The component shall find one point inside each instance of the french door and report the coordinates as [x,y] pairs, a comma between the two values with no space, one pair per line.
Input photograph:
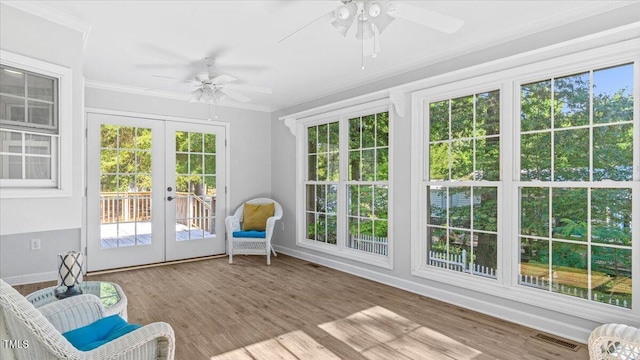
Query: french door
[155,191]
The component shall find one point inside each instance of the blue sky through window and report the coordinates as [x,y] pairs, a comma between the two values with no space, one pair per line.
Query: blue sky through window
[611,80]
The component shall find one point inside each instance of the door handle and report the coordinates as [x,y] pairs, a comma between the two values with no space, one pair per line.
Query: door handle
[169,198]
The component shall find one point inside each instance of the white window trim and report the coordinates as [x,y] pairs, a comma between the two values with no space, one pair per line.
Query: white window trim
[508,81]
[301,161]
[62,167]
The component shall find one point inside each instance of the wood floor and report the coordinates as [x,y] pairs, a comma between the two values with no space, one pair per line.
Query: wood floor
[294,309]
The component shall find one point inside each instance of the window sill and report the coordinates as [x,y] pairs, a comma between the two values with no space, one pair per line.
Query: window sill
[381,261]
[33,193]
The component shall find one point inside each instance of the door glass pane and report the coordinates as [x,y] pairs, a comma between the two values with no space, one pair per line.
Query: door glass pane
[195,185]
[125,186]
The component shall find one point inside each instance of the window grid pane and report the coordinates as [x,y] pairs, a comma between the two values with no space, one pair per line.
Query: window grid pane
[28,100]
[576,240]
[125,186]
[26,156]
[464,146]
[195,184]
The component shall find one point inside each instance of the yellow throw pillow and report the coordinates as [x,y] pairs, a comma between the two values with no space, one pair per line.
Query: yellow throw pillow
[256,215]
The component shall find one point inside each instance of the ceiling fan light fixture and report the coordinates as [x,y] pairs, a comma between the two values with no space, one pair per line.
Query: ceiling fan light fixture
[378,14]
[373,9]
[382,21]
[340,28]
[343,12]
[344,16]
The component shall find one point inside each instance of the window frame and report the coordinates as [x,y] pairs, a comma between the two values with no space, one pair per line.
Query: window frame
[509,76]
[61,162]
[342,116]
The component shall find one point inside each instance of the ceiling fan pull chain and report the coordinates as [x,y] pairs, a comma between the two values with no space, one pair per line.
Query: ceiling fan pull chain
[375,50]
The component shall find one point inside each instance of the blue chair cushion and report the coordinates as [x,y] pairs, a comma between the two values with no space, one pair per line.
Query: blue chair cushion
[250,234]
[99,333]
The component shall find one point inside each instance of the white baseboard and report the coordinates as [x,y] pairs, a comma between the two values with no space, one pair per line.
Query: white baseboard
[526,318]
[31,278]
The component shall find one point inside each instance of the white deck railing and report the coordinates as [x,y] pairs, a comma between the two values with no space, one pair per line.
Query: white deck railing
[122,207]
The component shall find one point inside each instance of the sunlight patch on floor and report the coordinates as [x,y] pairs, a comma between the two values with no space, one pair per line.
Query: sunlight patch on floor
[293,345]
[380,334]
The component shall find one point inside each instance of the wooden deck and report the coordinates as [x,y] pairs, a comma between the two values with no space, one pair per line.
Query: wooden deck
[294,309]
[130,236]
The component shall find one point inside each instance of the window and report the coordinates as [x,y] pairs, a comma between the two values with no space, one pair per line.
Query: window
[30,128]
[346,185]
[576,156]
[527,186]
[462,185]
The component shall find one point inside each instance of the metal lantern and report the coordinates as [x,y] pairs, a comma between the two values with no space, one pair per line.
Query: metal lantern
[70,273]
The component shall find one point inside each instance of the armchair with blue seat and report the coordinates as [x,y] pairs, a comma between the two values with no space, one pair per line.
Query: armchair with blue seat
[38,333]
[256,238]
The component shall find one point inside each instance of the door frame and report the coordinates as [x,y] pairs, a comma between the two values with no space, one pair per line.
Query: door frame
[162,118]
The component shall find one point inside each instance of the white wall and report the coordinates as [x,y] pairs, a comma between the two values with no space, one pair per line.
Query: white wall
[44,218]
[249,142]
[284,177]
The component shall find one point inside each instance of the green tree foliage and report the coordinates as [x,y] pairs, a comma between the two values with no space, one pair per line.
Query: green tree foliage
[125,158]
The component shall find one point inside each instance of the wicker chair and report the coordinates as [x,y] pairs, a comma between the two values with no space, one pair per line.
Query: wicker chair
[252,246]
[614,341]
[37,333]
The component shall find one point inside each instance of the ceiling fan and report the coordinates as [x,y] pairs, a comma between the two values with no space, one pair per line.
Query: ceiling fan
[373,17]
[214,88]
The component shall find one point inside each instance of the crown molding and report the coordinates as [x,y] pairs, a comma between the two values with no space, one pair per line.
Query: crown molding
[52,14]
[167,95]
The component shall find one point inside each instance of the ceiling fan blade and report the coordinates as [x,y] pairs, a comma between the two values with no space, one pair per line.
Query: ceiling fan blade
[240,67]
[328,15]
[173,78]
[164,52]
[435,20]
[159,88]
[235,95]
[256,89]
[196,95]
[159,66]
[216,53]
[223,79]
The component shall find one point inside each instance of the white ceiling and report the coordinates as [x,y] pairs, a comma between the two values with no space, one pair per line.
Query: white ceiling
[130,41]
